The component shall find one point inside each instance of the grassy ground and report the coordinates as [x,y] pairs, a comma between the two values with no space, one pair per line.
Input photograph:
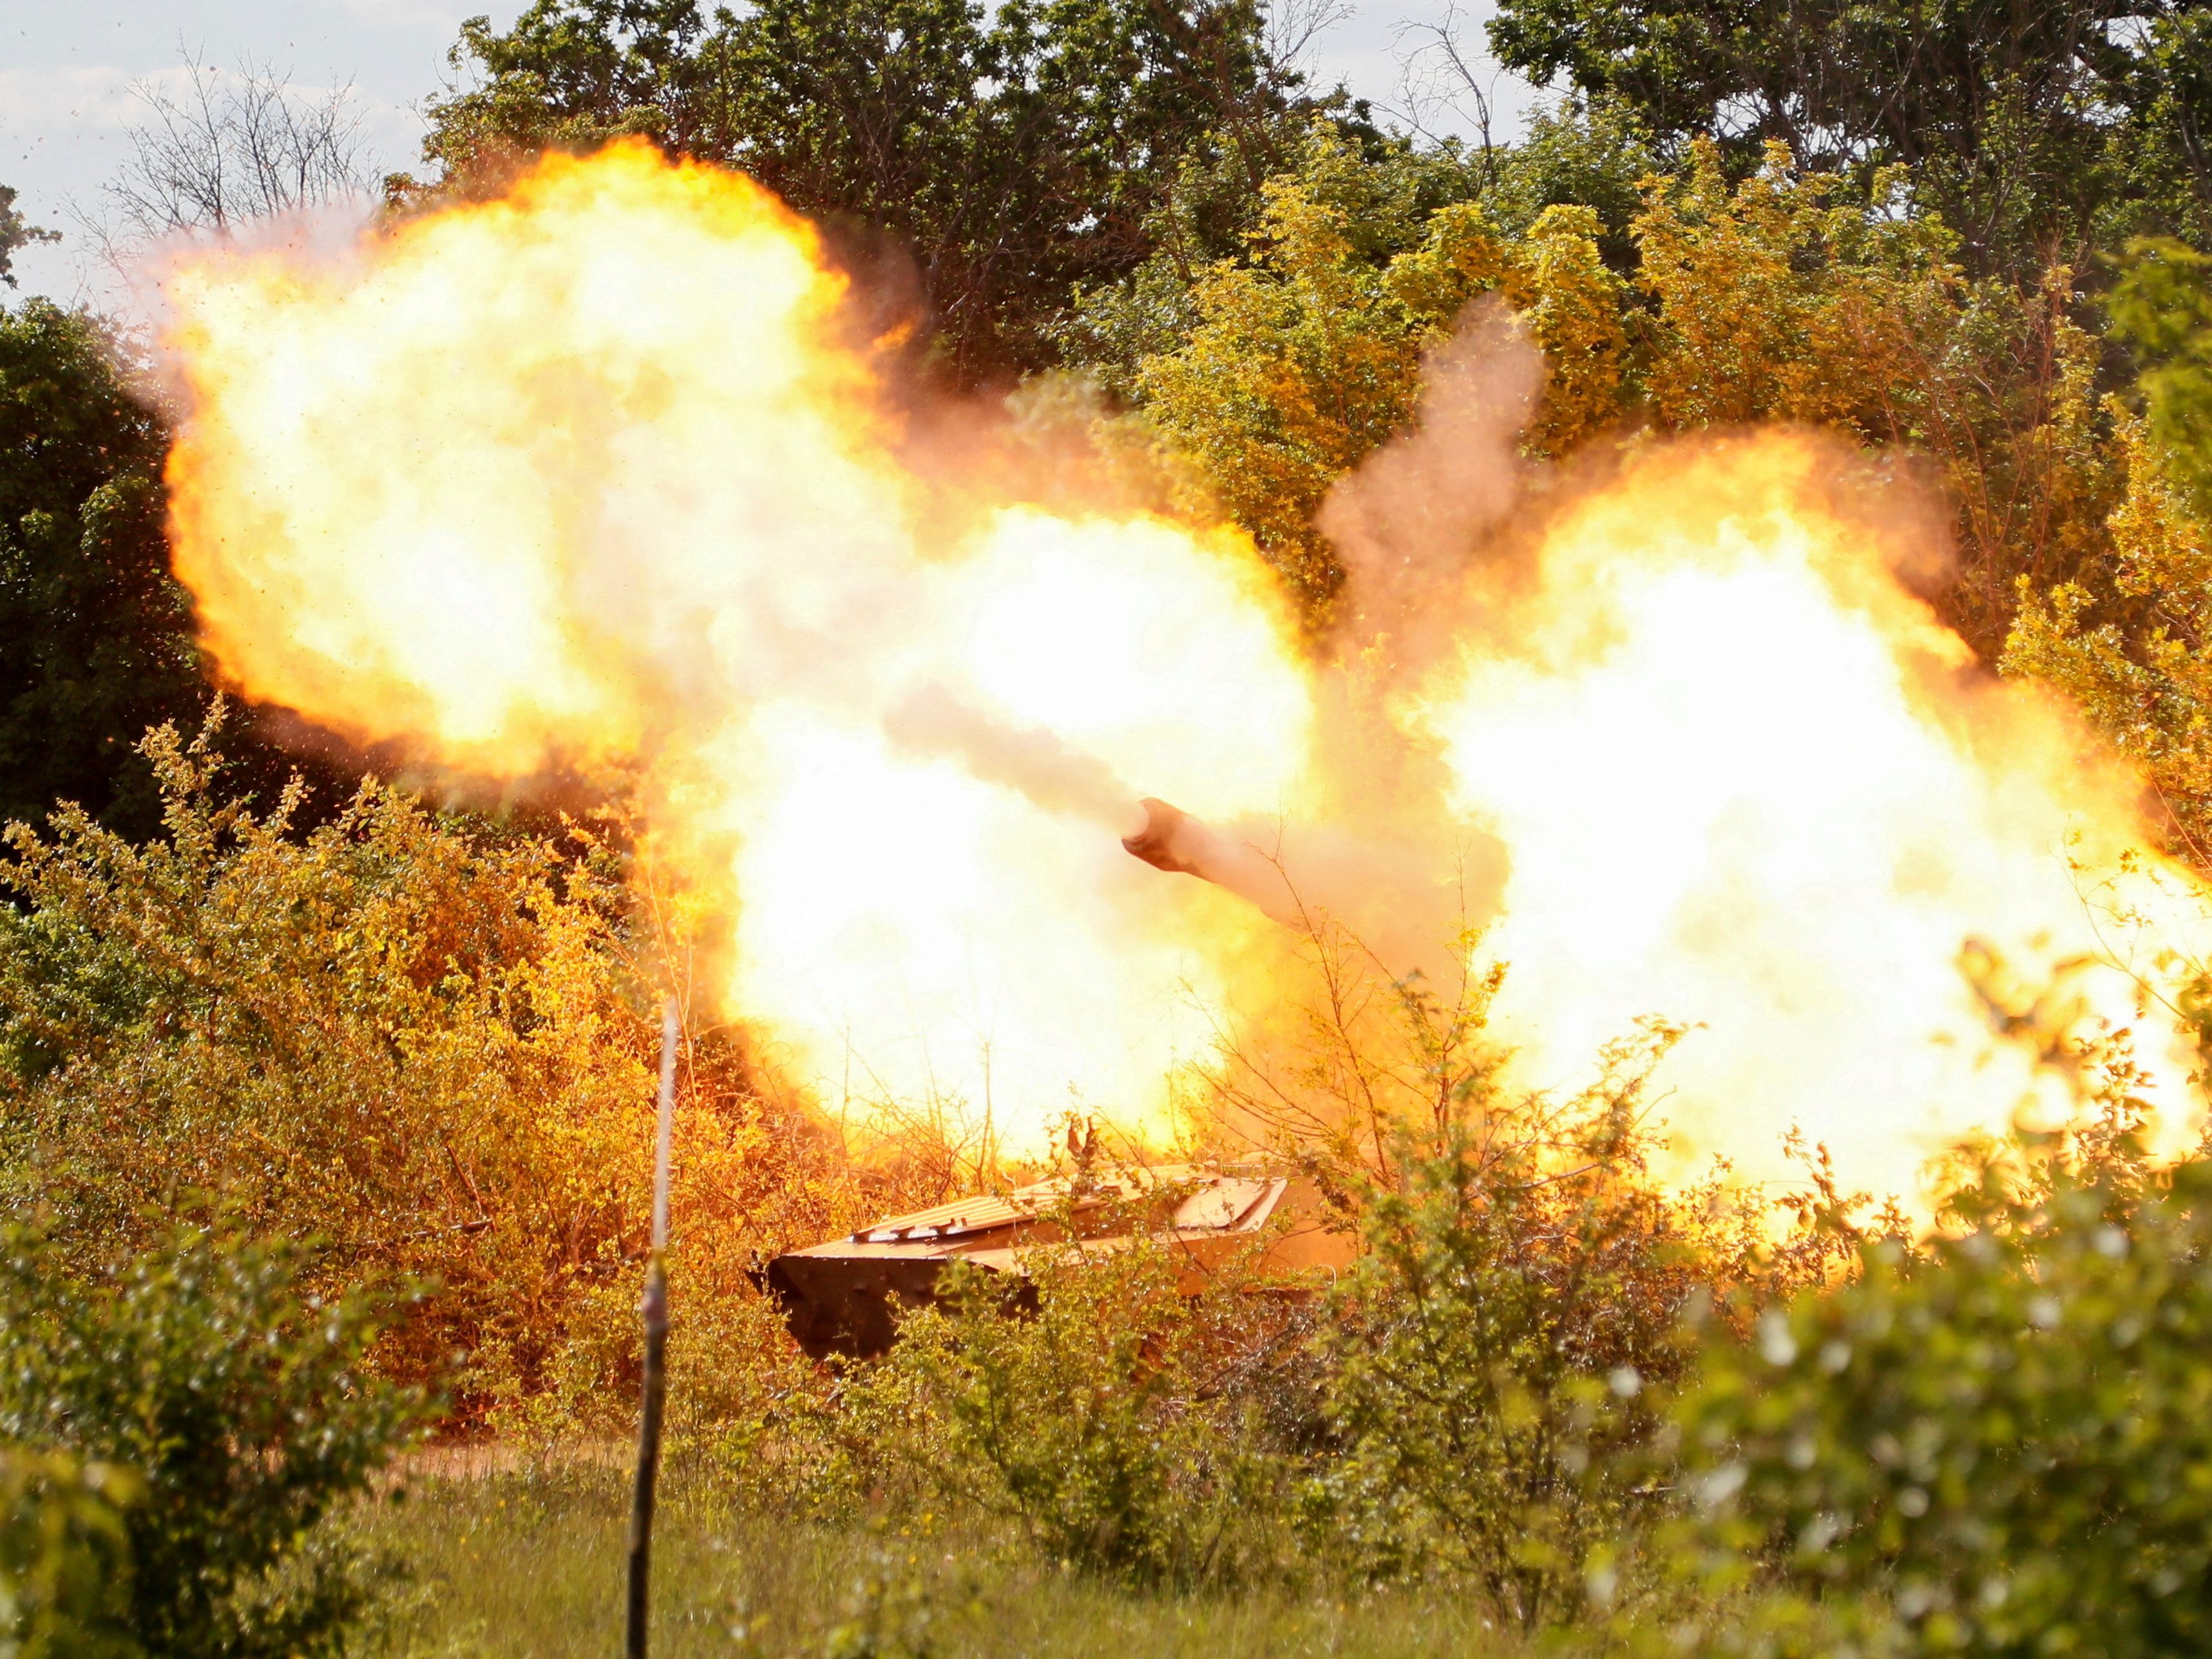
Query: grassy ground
[532,1563]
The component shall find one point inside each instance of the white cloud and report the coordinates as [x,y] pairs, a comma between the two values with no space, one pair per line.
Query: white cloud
[44,100]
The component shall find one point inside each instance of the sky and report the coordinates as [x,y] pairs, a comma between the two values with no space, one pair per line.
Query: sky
[68,68]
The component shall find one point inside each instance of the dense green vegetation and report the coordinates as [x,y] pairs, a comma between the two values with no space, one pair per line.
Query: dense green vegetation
[99,642]
[214,1411]
[2031,132]
[1553,1398]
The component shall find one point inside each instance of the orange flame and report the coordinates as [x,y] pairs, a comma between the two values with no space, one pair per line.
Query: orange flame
[582,476]
[586,476]
[1747,780]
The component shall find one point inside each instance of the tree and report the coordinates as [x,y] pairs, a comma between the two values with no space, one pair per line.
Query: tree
[95,640]
[1494,1341]
[15,235]
[1998,1440]
[1792,297]
[1097,1404]
[1777,295]
[2132,652]
[2023,124]
[571,74]
[65,1557]
[1589,153]
[1013,154]
[2162,307]
[410,1034]
[1302,359]
[2166,165]
[235,148]
[2130,640]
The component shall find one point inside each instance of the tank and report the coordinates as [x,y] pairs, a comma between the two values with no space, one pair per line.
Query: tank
[844,1297]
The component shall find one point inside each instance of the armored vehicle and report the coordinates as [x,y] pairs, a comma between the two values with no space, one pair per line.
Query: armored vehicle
[844,1297]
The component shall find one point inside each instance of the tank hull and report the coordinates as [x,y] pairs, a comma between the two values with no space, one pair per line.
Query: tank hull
[845,1296]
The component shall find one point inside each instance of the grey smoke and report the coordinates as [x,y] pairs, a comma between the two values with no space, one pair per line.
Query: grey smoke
[933,720]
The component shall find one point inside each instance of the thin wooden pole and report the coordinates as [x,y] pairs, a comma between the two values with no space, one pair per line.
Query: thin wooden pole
[655,1309]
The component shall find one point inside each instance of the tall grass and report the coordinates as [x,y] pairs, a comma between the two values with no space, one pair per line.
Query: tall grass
[530,1562]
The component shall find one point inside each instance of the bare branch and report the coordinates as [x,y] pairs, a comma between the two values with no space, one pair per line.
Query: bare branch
[1447,79]
[234,146]
[1293,26]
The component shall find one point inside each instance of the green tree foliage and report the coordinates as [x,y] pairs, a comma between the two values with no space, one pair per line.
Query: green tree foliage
[2165,164]
[15,235]
[1588,153]
[2002,1435]
[242,1405]
[1495,1355]
[1779,296]
[1493,1346]
[1774,300]
[1097,1407]
[1299,362]
[2128,640]
[1381,192]
[571,77]
[1016,152]
[65,1557]
[1574,155]
[94,634]
[1302,359]
[2162,307]
[2135,654]
[2021,125]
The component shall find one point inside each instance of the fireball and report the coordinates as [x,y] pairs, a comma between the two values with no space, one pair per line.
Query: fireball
[598,478]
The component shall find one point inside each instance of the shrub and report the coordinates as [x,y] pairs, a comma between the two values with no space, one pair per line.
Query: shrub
[1492,1359]
[2005,1438]
[1782,295]
[1497,1340]
[411,1034]
[1101,1404]
[241,1405]
[2131,651]
[1299,362]
[1791,297]
[65,1557]
[2162,307]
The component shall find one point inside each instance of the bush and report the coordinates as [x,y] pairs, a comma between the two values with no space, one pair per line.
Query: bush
[242,1405]
[65,1557]
[1102,1409]
[412,1033]
[1493,1366]
[1298,363]
[2005,1437]
[1495,1345]
[2162,307]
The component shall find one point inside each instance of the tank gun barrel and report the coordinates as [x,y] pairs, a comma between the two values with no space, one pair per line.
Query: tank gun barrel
[1174,840]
